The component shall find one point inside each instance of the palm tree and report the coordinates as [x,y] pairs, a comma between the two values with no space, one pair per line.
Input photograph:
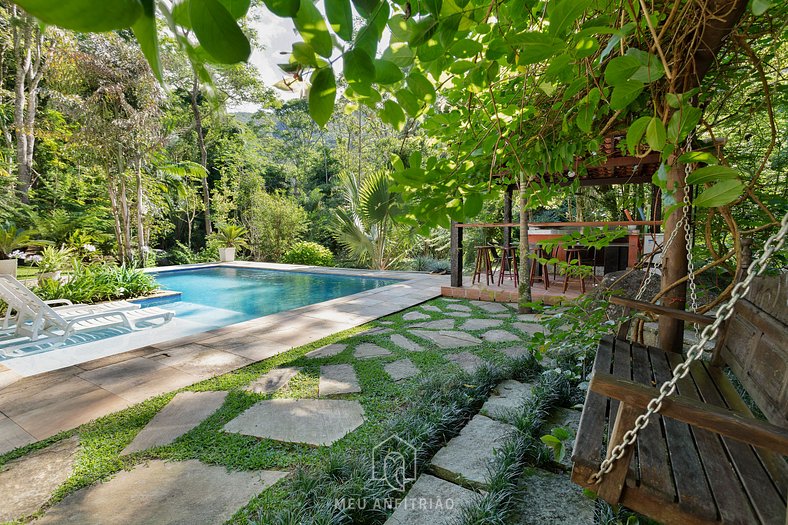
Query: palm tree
[363,226]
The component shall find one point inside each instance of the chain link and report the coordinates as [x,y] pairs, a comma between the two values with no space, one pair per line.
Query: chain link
[710,332]
[688,239]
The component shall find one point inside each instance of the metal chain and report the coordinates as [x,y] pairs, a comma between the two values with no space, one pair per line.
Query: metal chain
[774,243]
[688,238]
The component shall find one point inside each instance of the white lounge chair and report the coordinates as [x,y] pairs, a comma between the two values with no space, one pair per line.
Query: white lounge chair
[37,322]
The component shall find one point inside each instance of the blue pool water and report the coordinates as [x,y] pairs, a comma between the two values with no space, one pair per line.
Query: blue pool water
[219,296]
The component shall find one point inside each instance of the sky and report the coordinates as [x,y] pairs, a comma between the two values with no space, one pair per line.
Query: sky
[275,35]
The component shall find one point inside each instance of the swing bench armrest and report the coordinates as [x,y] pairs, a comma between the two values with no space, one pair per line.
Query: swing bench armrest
[695,413]
[690,317]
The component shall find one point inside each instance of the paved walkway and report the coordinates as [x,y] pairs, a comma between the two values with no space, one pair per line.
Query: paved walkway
[37,407]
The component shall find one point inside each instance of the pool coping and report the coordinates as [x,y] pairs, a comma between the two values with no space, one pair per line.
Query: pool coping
[39,406]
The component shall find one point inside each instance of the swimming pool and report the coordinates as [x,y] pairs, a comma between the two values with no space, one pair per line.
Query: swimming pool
[220,295]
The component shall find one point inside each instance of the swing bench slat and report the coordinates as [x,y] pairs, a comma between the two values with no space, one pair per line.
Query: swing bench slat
[705,458]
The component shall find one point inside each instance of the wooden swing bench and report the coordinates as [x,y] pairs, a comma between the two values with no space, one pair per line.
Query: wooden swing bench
[705,458]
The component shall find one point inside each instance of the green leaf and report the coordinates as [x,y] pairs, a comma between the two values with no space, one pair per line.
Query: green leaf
[366,7]
[722,193]
[237,8]
[145,32]
[430,50]
[473,204]
[712,174]
[304,54]
[535,47]
[399,53]
[698,156]
[656,134]
[392,114]
[626,93]
[409,102]
[682,122]
[322,95]
[635,133]
[85,15]
[620,69]
[585,117]
[547,439]
[340,16]
[759,7]
[387,72]
[180,14]
[283,8]
[421,87]
[650,68]
[562,14]
[218,32]
[358,67]
[313,28]
[465,48]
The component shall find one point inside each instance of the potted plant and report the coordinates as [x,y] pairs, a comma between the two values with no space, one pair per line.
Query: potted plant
[11,239]
[229,237]
[53,261]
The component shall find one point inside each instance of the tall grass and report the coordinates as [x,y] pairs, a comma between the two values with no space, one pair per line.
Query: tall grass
[92,283]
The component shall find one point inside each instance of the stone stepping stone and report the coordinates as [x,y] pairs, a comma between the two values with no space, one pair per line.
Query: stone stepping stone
[165,493]
[327,351]
[308,421]
[552,498]
[480,324]
[529,328]
[432,501]
[516,352]
[370,350]
[500,316]
[386,323]
[459,307]
[440,324]
[457,314]
[337,379]
[431,308]
[466,360]
[466,458]
[378,330]
[415,316]
[529,318]
[569,419]
[490,308]
[509,395]
[405,343]
[401,369]
[272,381]
[499,336]
[184,412]
[28,482]
[447,338]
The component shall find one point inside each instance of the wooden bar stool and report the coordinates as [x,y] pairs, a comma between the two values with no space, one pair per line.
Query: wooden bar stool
[544,273]
[574,254]
[485,255]
[508,265]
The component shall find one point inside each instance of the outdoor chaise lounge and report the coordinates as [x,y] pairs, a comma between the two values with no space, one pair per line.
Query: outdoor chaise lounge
[38,322]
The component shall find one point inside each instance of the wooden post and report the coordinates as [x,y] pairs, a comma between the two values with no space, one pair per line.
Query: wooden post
[674,267]
[507,216]
[456,255]
[524,290]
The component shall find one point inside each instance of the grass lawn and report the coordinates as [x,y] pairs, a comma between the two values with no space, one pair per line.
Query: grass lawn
[431,406]
[26,272]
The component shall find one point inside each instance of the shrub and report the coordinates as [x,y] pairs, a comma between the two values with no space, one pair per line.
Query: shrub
[275,222]
[182,254]
[91,283]
[309,253]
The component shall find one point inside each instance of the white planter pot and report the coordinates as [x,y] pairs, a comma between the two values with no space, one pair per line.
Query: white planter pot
[226,254]
[49,275]
[8,267]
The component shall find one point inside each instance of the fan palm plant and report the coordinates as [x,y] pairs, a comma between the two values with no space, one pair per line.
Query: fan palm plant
[363,226]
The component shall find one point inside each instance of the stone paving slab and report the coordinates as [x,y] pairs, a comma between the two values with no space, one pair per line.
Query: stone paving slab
[337,379]
[370,350]
[508,395]
[184,412]
[163,493]
[201,361]
[138,379]
[308,421]
[552,498]
[326,351]
[28,482]
[515,352]
[440,324]
[401,369]
[480,324]
[272,381]
[529,318]
[378,330]
[405,343]
[490,307]
[466,458]
[415,316]
[12,435]
[462,315]
[466,360]
[432,501]
[529,328]
[447,338]
[499,336]
[459,307]
[431,308]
